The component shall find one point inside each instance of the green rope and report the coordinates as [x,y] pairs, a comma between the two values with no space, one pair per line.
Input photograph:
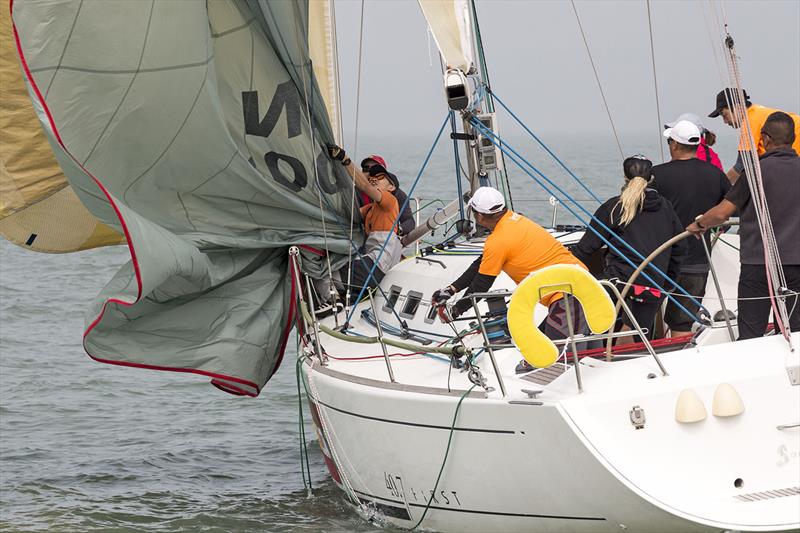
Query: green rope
[305,468]
[444,460]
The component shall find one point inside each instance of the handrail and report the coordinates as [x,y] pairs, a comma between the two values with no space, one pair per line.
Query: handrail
[647,261]
[453,350]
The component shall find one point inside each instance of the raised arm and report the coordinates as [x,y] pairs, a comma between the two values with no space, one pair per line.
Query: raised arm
[358,177]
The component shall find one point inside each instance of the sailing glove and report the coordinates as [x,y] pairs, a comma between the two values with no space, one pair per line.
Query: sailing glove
[441,296]
[336,153]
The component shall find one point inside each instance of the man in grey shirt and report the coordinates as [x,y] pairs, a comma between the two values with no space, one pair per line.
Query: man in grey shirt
[780,174]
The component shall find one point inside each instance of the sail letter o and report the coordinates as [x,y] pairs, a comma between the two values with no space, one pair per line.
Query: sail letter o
[324,176]
[534,346]
[300,177]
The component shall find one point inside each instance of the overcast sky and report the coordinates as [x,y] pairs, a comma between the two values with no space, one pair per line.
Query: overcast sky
[539,66]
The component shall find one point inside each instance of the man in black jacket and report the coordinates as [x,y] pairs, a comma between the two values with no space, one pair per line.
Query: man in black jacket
[780,174]
[693,187]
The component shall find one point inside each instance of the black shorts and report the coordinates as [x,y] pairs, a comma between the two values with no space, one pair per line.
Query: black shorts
[694,284]
[644,307]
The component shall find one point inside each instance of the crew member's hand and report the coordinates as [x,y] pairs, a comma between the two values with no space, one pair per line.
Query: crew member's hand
[445,312]
[442,295]
[336,153]
[695,229]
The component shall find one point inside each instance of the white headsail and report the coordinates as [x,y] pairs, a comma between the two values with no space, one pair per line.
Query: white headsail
[450,24]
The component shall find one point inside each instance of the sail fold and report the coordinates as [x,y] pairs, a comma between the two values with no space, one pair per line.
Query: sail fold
[198,130]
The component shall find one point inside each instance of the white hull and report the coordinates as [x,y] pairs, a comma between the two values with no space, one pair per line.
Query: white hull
[565,461]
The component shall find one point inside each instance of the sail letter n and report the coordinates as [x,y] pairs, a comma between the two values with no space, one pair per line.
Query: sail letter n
[285,96]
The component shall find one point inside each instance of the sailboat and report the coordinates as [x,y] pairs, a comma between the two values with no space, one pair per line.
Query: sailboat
[196,134]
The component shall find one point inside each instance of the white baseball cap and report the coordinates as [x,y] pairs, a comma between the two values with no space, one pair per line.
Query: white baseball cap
[487,200]
[691,117]
[684,132]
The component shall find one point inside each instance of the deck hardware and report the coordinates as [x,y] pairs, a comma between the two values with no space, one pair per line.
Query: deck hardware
[689,408]
[532,393]
[475,376]
[380,337]
[738,483]
[727,401]
[524,402]
[651,376]
[429,260]
[637,417]
[788,426]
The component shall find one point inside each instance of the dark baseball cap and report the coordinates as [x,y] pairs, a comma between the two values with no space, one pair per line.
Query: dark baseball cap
[724,99]
[377,168]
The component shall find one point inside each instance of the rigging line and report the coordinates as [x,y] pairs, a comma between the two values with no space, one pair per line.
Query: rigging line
[714,51]
[547,149]
[310,74]
[518,160]
[597,78]
[655,81]
[355,153]
[774,270]
[397,220]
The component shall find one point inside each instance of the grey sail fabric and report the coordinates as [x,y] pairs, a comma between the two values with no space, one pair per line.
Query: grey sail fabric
[198,131]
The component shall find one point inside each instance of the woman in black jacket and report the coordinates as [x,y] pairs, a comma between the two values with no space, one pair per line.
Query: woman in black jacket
[645,220]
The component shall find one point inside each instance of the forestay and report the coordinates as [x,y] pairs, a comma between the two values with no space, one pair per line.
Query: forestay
[197,130]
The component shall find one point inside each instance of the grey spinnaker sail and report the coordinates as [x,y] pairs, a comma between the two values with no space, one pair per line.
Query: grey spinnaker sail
[198,131]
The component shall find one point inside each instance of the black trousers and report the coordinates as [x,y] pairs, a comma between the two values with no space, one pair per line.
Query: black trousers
[754,314]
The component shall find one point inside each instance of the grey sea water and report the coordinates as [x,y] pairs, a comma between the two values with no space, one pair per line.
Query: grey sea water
[91,447]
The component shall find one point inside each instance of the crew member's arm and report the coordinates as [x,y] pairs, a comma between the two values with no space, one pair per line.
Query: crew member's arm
[361,181]
[713,217]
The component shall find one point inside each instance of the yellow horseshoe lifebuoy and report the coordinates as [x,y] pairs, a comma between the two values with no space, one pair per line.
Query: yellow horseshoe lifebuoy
[537,349]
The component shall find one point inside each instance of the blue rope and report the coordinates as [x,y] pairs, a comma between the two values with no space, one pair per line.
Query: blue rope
[538,140]
[397,220]
[503,145]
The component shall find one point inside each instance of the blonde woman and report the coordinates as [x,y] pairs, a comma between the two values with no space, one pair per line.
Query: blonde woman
[645,220]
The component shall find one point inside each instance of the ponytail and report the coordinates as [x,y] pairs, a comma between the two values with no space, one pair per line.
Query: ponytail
[632,199]
[710,137]
[638,171]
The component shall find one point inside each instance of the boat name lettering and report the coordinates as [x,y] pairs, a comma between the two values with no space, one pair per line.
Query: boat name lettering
[395,487]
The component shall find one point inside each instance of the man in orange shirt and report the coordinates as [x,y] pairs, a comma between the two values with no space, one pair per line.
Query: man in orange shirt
[516,246]
[379,217]
[756,117]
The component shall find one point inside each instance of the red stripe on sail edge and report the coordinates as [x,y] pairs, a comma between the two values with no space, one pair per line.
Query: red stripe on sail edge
[131,249]
[50,119]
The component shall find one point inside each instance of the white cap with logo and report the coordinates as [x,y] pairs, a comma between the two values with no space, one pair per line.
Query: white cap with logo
[684,132]
[487,200]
